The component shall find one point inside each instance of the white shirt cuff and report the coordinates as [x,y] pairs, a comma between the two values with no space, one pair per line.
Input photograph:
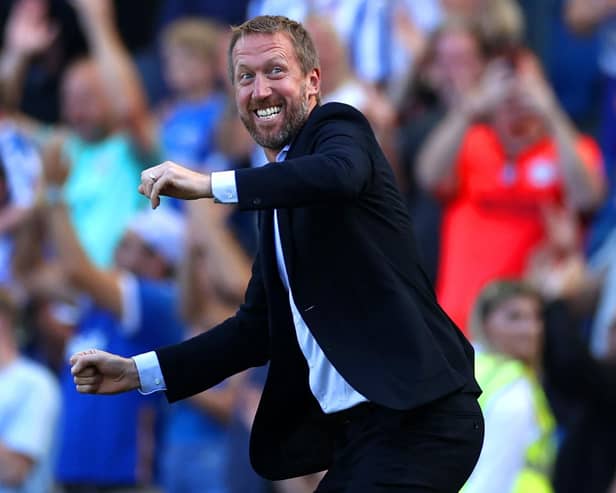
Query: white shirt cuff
[150,375]
[224,188]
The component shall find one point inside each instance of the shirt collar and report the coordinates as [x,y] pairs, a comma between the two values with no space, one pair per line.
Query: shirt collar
[282,155]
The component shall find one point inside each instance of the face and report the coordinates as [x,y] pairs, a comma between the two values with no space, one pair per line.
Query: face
[332,54]
[85,106]
[517,124]
[185,71]
[458,64]
[273,96]
[515,328]
[133,255]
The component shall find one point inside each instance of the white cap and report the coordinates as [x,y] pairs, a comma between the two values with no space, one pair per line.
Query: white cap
[163,230]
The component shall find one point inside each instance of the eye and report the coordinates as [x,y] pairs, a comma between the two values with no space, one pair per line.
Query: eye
[244,77]
[277,70]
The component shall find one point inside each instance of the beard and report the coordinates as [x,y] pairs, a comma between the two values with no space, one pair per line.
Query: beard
[296,115]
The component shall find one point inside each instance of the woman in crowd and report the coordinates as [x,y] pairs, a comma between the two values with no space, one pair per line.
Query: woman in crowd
[519,448]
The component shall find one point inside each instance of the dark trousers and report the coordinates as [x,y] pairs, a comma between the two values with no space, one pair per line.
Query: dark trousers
[433,448]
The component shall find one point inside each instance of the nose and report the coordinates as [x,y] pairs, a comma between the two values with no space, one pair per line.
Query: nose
[261,87]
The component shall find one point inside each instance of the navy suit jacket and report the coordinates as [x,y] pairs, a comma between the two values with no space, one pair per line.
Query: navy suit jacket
[357,281]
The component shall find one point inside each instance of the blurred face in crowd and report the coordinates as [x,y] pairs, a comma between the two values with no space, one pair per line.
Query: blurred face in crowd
[517,122]
[515,328]
[332,53]
[85,106]
[458,64]
[273,95]
[134,255]
[186,72]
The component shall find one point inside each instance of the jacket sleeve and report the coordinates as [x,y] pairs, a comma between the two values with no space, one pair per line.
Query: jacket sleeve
[236,344]
[337,167]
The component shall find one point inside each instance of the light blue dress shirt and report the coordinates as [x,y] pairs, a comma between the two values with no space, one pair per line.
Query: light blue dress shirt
[328,386]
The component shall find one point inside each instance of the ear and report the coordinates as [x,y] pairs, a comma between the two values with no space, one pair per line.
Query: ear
[313,78]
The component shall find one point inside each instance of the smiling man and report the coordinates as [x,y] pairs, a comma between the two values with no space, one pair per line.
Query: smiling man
[368,377]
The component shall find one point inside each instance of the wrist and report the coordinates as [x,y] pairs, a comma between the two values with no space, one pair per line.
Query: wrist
[207,186]
[132,375]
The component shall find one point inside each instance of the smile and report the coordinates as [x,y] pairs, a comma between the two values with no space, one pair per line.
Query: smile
[268,113]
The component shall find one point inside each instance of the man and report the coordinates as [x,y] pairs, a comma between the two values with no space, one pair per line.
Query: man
[29,411]
[368,377]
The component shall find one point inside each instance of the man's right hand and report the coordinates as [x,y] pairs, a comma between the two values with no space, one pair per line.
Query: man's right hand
[172,180]
[99,372]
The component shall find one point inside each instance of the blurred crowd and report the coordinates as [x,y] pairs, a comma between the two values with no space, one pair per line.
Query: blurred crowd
[499,119]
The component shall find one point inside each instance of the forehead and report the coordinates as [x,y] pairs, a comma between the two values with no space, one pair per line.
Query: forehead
[254,48]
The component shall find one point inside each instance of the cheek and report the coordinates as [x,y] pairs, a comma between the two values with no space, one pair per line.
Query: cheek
[242,98]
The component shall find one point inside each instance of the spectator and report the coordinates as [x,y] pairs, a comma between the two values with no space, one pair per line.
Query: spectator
[500,21]
[110,134]
[29,411]
[586,384]
[452,65]
[519,445]
[131,308]
[499,157]
[190,53]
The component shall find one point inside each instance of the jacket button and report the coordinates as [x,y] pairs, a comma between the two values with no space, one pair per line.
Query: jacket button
[256,201]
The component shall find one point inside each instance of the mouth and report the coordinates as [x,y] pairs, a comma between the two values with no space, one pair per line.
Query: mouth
[269,113]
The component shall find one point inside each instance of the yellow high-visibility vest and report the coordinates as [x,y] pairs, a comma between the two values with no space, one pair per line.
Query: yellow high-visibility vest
[495,372]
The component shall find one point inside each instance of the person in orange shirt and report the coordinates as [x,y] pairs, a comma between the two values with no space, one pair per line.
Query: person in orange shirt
[502,155]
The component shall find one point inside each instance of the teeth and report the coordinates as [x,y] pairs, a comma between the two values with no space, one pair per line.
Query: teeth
[268,112]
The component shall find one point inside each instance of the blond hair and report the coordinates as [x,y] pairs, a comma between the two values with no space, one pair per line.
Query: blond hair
[198,36]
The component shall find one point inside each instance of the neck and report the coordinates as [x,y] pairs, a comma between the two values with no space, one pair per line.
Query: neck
[271,154]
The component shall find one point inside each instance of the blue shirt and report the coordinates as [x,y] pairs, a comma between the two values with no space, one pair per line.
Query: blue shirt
[100,435]
[187,132]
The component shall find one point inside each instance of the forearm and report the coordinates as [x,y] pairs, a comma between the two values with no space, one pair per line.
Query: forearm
[584,190]
[120,77]
[14,467]
[72,258]
[80,271]
[438,156]
[230,266]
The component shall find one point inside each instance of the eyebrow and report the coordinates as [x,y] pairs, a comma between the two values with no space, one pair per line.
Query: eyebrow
[277,59]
